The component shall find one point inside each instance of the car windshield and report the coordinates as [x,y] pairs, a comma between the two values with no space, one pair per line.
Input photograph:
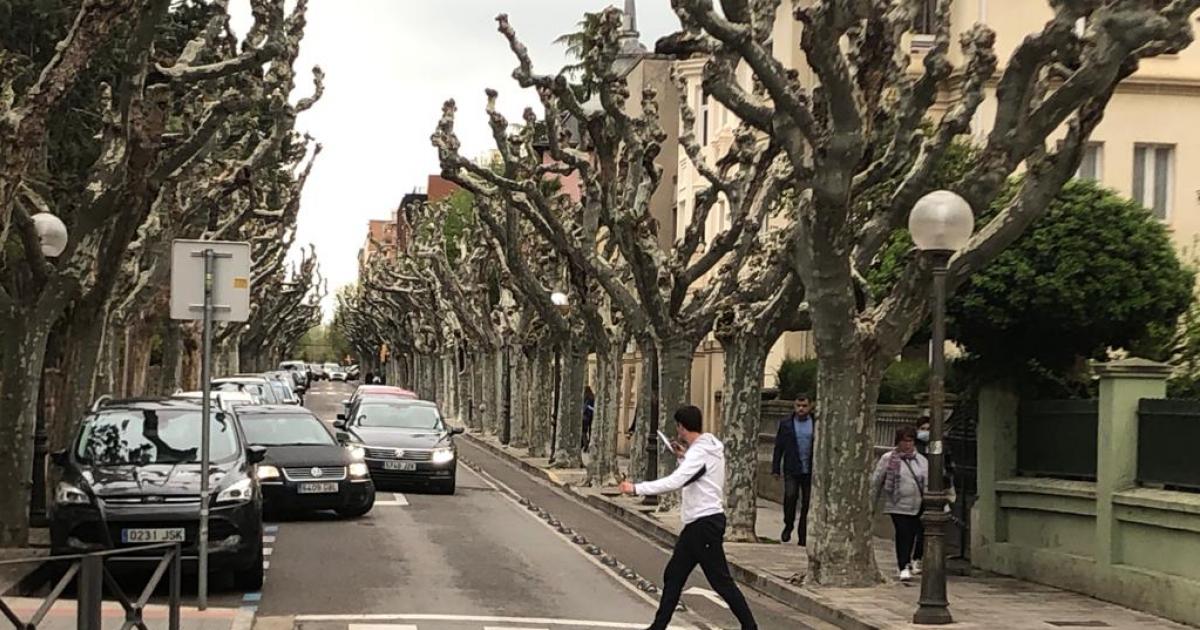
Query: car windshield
[281,390]
[399,416]
[289,430]
[262,390]
[149,436]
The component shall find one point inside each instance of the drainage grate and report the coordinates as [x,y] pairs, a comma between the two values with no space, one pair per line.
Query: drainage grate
[1079,624]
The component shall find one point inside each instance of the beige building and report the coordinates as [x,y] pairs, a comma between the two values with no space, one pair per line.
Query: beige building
[1147,147]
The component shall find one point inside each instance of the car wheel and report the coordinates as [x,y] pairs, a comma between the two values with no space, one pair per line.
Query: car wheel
[358,510]
[250,579]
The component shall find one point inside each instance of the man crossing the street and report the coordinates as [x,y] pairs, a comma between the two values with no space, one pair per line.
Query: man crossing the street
[701,477]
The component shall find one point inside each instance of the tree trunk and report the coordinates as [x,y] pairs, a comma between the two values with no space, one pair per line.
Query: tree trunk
[647,396]
[488,388]
[840,546]
[603,469]
[170,378]
[478,404]
[74,351]
[137,367]
[541,402]
[519,395]
[22,352]
[567,448]
[674,391]
[741,408]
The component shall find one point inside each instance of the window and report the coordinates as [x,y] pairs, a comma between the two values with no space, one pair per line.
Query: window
[1091,164]
[703,118]
[1152,173]
[925,22]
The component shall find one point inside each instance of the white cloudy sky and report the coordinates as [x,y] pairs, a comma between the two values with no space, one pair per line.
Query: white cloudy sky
[389,65]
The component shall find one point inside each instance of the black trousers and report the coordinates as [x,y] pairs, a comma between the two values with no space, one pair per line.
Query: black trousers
[701,542]
[908,528]
[797,489]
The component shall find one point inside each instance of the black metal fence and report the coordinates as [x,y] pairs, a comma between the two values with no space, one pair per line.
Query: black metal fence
[1057,438]
[90,572]
[1168,435]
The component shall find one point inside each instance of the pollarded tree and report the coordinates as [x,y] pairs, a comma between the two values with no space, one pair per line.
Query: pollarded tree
[859,123]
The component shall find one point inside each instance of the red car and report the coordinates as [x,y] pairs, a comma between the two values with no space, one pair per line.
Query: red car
[380,391]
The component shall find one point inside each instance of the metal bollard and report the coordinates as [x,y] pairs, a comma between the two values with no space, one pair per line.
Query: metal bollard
[91,593]
[176,587]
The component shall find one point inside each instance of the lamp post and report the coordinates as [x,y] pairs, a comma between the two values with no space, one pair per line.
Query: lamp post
[562,303]
[941,223]
[52,234]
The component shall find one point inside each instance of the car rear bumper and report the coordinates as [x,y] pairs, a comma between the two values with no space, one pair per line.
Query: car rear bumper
[286,496]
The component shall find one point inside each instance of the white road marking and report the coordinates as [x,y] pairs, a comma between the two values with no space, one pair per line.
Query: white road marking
[268,539]
[380,626]
[707,594]
[268,551]
[266,564]
[400,499]
[510,628]
[469,619]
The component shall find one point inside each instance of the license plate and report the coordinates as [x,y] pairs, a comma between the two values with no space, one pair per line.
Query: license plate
[318,487]
[174,534]
[401,466]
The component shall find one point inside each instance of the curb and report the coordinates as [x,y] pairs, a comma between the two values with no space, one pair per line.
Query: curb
[762,583]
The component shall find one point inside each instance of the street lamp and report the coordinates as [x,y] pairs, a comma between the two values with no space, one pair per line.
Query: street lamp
[53,237]
[562,304]
[52,234]
[941,223]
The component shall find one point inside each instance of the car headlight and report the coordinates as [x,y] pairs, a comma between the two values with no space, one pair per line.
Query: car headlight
[238,492]
[267,472]
[359,470]
[68,494]
[357,453]
[443,455]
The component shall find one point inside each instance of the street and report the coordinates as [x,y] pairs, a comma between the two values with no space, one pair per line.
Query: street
[469,561]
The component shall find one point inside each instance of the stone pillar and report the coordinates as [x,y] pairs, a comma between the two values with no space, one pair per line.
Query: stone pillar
[996,456]
[1122,384]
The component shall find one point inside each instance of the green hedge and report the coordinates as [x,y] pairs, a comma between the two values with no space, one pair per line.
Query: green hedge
[903,381]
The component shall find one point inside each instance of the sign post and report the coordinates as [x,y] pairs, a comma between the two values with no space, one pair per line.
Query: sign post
[202,289]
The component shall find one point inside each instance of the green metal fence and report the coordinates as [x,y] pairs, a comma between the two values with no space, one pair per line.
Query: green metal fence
[1057,438]
[1168,435]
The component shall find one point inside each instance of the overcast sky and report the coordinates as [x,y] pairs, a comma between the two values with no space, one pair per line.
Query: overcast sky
[389,66]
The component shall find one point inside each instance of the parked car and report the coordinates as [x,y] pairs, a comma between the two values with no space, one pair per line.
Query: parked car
[132,477]
[249,383]
[318,372]
[299,369]
[378,391]
[404,441]
[337,374]
[353,373]
[284,386]
[305,467]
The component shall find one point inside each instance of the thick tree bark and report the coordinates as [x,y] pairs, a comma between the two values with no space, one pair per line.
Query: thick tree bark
[478,391]
[462,383]
[568,452]
[741,409]
[674,391]
[519,365]
[839,543]
[76,358]
[488,368]
[647,396]
[541,402]
[603,469]
[22,352]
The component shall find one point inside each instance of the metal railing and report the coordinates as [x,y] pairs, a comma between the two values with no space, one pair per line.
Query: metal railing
[91,573]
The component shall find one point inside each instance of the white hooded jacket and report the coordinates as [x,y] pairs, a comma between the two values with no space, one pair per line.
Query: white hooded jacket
[701,475]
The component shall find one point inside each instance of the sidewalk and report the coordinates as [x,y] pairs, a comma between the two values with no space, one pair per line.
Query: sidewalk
[776,570]
[62,615]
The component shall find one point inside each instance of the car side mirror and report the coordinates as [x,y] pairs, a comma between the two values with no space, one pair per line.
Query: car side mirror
[256,454]
[60,458]
[457,431]
[340,423]
[342,436]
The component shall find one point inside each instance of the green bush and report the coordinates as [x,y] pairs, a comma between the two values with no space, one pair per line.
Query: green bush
[903,381]
[797,376]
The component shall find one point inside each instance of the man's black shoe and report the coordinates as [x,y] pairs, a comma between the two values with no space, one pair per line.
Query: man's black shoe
[786,536]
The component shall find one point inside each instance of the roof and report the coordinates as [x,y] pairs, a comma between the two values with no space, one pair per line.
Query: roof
[149,403]
[246,378]
[272,410]
[396,400]
[382,389]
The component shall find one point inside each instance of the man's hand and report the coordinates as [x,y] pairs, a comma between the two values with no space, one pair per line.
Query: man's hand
[776,475]
[626,487]
[678,449]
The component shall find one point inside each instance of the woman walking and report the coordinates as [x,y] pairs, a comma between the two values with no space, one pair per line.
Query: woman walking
[900,480]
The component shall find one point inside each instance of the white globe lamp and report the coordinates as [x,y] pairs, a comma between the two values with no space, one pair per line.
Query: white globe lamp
[941,222]
[52,233]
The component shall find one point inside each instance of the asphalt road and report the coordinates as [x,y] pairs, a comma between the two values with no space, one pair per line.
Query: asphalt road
[475,560]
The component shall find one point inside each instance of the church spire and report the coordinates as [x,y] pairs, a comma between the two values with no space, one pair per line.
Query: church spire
[631,44]
[631,26]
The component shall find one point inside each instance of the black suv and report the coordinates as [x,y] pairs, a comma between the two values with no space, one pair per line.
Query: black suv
[132,477]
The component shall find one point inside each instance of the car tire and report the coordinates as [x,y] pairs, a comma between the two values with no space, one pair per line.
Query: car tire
[251,578]
[358,510]
[446,487]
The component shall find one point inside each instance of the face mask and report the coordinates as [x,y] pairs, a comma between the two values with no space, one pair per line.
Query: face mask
[923,436]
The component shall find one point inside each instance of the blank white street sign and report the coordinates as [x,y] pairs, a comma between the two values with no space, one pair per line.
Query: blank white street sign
[231,280]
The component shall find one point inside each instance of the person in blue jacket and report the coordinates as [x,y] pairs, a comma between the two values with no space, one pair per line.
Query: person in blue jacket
[793,462]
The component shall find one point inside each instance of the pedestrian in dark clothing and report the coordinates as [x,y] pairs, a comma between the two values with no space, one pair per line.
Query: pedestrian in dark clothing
[700,476]
[793,461]
[589,413]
